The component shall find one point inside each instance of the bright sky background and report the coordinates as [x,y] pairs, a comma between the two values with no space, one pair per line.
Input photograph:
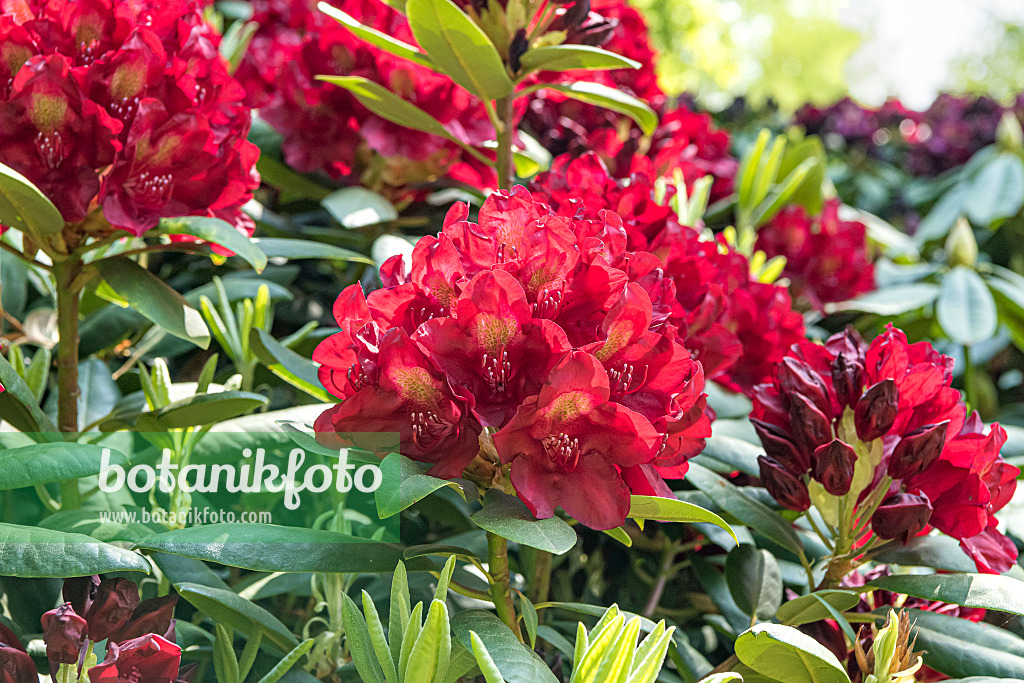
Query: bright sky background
[910,45]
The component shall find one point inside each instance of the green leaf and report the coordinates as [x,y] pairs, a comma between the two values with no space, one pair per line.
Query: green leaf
[997,191]
[25,207]
[807,608]
[484,660]
[891,301]
[215,231]
[937,552]
[18,404]
[293,249]
[272,548]
[150,296]
[377,38]
[49,462]
[508,517]
[754,580]
[98,393]
[34,552]
[357,207]
[965,309]
[673,510]
[204,409]
[290,660]
[943,215]
[375,629]
[988,591]
[430,654]
[288,365]
[807,193]
[403,483]
[516,662]
[566,57]
[786,654]
[292,186]
[360,642]
[530,620]
[225,664]
[455,43]
[958,647]
[231,609]
[743,507]
[388,105]
[734,453]
[610,98]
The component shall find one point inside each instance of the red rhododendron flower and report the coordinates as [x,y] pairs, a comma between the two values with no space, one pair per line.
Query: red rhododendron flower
[921,461]
[149,658]
[533,330]
[566,443]
[16,666]
[701,290]
[827,258]
[126,107]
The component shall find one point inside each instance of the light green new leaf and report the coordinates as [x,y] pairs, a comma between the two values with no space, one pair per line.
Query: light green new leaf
[215,231]
[987,591]
[786,654]
[566,57]
[376,38]
[610,98]
[673,510]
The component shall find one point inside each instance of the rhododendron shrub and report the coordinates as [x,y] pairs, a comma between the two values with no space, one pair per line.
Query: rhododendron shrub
[874,437]
[325,128]
[532,328]
[827,258]
[126,107]
[702,289]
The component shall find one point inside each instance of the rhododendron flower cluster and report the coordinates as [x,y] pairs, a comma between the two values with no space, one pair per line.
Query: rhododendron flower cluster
[880,427]
[827,258]
[324,126]
[539,330]
[139,635]
[126,106]
[925,142]
[735,325]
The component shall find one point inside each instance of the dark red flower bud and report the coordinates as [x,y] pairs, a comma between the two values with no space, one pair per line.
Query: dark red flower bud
[155,615]
[918,450]
[833,467]
[150,658]
[876,410]
[16,666]
[810,426]
[79,591]
[902,516]
[781,449]
[112,607]
[847,377]
[64,633]
[797,377]
[788,490]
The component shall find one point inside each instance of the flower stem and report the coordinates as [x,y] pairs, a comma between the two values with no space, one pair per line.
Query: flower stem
[68,290]
[504,134]
[501,582]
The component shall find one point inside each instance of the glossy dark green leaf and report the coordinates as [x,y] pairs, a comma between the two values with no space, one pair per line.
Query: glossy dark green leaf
[786,654]
[754,580]
[291,185]
[376,38]
[204,409]
[150,296]
[49,462]
[35,552]
[18,404]
[508,517]
[965,309]
[25,207]
[807,608]
[958,647]
[891,301]
[358,207]
[93,523]
[273,548]
[457,45]
[745,508]
[997,191]
[610,98]
[288,365]
[215,231]
[516,662]
[227,607]
[388,105]
[988,591]
[294,249]
[405,483]
[566,57]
